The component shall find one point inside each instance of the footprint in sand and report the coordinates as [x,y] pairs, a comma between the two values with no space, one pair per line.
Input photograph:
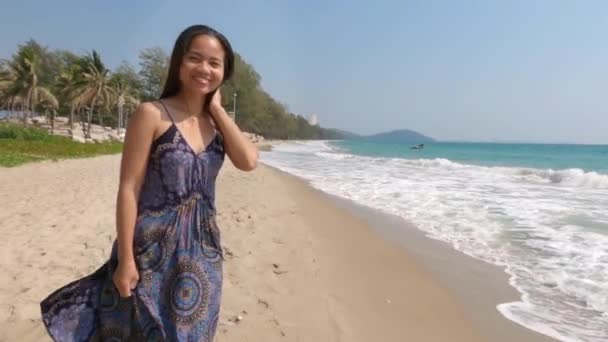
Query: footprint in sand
[277,269]
[263,303]
[228,253]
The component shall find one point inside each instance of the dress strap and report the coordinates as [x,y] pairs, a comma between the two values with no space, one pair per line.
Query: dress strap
[167,110]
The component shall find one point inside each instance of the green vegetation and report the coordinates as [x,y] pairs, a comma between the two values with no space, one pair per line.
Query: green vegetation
[19,144]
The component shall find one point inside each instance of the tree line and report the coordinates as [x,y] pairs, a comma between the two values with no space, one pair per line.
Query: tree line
[37,80]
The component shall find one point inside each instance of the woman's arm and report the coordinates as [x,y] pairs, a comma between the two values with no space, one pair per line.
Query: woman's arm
[138,139]
[242,152]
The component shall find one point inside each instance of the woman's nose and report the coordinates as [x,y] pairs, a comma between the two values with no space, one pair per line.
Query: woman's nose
[204,67]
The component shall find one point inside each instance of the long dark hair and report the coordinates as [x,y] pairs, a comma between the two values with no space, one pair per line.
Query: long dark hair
[182,44]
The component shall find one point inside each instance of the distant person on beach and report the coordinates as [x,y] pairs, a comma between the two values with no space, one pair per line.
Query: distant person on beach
[163,280]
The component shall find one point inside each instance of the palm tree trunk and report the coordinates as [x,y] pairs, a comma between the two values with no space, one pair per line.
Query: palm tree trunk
[22,112]
[120,114]
[32,104]
[52,115]
[71,116]
[87,133]
[90,116]
[82,122]
[26,108]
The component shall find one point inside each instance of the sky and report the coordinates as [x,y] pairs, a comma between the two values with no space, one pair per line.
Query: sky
[503,70]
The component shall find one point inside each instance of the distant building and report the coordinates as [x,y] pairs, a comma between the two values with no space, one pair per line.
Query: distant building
[312,120]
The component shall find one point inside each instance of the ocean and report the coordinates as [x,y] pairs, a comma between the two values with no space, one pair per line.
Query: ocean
[540,211]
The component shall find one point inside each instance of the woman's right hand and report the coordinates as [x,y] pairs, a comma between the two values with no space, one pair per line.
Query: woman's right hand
[125,277]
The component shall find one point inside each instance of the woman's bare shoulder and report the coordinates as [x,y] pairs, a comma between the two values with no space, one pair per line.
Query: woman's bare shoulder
[150,109]
[146,120]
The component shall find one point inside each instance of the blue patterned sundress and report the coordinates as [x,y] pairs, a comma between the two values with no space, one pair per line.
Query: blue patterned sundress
[177,251]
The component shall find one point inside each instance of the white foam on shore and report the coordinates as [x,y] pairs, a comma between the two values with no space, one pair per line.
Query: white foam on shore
[548,228]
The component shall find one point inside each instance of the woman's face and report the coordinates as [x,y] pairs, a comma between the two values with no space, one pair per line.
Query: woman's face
[202,69]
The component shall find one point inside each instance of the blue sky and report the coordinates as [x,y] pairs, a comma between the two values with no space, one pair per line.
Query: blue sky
[512,70]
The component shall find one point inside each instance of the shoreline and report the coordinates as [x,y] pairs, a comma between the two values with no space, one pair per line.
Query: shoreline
[464,276]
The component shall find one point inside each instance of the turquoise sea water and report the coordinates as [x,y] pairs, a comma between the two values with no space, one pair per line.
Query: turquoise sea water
[540,156]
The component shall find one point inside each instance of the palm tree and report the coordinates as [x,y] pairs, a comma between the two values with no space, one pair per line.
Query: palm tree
[66,83]
[92,87]
[5,76]
[23,82]
[6,80]
[122,95]
[9,97]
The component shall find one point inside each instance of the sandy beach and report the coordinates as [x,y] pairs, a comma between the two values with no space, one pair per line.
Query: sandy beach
[299,267]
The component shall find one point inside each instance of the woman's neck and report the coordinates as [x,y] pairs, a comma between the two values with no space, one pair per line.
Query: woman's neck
[193,104]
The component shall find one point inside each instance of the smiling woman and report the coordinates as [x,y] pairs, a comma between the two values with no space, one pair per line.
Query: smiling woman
[164,277]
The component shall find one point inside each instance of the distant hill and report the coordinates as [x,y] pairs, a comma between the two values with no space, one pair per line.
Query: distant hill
[400,136]
[341,134]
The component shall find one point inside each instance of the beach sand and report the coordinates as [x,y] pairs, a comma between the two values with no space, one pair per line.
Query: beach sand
[300,266]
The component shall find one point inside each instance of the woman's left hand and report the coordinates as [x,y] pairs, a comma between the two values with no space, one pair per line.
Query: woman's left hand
[216,102]
[242,152]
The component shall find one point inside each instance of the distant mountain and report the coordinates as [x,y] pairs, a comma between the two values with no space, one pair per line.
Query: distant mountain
[341,134]
[400,136]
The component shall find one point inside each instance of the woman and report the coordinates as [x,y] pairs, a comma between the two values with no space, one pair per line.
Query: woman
[164,277]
